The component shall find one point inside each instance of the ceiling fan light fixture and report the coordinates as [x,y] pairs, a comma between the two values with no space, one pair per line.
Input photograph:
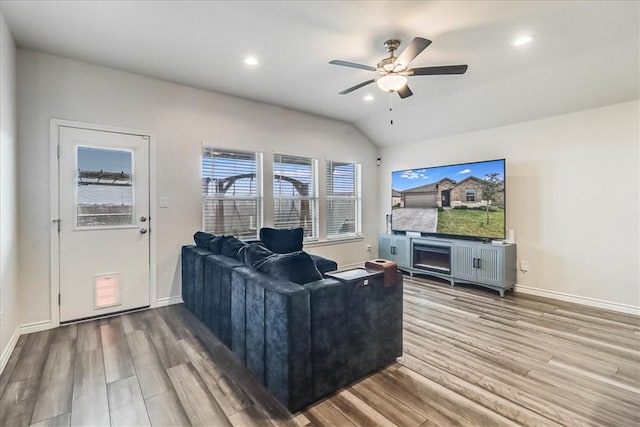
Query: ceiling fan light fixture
[391,82]
[523,40]
[251,60]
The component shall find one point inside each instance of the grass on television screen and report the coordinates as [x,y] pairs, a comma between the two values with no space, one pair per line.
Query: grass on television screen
[472,222]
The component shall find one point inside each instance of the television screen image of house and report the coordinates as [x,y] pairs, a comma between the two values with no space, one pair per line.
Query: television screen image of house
[464,199]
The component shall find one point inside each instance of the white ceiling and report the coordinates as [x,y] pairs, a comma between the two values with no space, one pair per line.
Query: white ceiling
[586,54]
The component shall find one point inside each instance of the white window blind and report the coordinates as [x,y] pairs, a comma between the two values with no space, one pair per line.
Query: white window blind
[295,195]
[231,192]
[343,199]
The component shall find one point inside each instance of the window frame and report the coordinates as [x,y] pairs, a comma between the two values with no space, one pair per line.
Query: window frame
[357,198]
[313,196]
[259,196]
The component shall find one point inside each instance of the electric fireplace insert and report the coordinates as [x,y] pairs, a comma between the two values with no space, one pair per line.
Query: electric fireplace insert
[434,258]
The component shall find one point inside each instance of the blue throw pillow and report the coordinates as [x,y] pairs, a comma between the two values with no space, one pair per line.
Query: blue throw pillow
[282,241]
[254,254]
[215,244]
[297,267]
[203,239]
[231,246]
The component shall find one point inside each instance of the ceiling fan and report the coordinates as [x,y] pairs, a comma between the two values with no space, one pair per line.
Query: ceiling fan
[394,70]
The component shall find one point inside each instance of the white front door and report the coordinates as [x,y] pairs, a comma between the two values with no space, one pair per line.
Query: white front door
[104,222]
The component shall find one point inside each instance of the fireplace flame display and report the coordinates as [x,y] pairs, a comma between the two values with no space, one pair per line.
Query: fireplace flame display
[434,258]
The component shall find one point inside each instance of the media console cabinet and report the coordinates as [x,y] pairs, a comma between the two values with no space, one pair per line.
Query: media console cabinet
[458,261]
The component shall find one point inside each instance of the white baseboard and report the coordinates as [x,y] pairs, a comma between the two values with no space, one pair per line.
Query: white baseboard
[21,330]
[6,353]
[592,302]
[28,328]
[161,302]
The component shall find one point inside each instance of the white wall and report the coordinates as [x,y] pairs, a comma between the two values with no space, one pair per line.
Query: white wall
[572,196]
[8,189]
[181,118]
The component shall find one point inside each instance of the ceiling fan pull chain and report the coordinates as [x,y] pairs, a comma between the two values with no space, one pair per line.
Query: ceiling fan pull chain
[391,107]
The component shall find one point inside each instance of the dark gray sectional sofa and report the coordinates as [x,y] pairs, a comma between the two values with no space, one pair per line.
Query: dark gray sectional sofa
[302,341]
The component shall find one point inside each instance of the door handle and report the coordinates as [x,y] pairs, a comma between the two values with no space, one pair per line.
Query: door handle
[143,230]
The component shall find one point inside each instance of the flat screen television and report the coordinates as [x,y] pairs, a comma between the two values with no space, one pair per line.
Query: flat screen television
[464,200]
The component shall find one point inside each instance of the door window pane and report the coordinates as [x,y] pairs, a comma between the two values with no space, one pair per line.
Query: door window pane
[105,191]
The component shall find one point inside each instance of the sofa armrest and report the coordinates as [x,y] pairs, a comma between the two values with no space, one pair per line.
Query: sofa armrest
[324,265]
[355,329]
[270,333]
[329,335]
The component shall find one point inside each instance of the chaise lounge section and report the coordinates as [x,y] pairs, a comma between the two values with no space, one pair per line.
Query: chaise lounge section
[303,341]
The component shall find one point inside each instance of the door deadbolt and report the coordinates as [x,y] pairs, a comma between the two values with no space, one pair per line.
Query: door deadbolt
[143,218]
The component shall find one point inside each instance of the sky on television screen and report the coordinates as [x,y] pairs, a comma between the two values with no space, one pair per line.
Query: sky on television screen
[411,178]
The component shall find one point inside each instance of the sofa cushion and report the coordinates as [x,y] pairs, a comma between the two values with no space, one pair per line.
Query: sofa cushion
[282,241]
[297,267]
[202,239]
[231,246]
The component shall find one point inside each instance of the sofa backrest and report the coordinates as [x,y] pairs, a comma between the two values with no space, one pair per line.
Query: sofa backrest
[217,295]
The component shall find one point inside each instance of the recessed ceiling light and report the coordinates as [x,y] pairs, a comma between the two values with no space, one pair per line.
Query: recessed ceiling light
[368,98]
[523,40]
[251,60]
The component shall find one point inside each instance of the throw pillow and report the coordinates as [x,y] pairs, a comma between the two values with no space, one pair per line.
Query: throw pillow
[215,244]
[282,241]
[255,253]
[203,239]
[231,246]
[297,267]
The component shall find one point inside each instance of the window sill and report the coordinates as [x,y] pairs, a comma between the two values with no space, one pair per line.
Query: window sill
[334,241]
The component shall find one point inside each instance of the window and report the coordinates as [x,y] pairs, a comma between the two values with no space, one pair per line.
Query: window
[343,199]
[295,195]
[231,192]
[104,188]
[470,194]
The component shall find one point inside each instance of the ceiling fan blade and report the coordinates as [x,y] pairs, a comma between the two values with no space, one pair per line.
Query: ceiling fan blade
[352,65]
[405,92]
[358,86]
[434,71]
[417,45]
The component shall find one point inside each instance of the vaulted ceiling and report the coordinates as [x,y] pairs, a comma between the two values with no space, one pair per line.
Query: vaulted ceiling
[585,54]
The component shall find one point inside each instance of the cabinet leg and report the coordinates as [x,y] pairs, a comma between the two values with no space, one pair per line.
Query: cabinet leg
[501,293]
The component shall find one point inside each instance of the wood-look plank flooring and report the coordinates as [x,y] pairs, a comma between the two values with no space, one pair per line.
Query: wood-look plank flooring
[470,358]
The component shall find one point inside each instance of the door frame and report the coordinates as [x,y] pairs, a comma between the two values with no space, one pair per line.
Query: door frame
[54,203]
